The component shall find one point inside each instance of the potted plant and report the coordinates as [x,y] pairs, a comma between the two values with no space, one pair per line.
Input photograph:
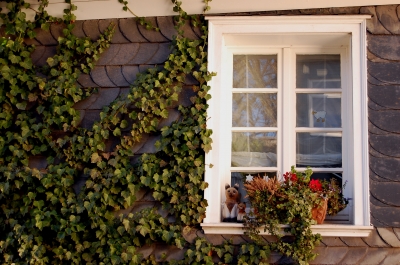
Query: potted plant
[294,203]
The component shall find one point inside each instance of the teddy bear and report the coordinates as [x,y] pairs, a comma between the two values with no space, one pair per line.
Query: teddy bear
[230,207]
[241,212]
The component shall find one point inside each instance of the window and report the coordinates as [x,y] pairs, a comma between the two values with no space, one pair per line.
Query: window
[289,91]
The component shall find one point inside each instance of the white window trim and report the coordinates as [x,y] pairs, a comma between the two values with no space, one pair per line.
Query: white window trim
[220,29]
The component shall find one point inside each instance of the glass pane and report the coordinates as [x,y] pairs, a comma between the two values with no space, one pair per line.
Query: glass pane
[254,110]
[319,149]
[318,71]
[254,149]
[254,71]
[319,110]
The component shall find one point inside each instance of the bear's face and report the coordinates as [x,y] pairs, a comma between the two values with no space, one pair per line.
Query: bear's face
[232,193]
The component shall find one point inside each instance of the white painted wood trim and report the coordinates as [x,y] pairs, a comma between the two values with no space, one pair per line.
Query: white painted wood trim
[325,230]
[102,9]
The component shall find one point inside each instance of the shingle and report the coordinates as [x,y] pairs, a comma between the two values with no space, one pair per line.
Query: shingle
[104,97]
[41,53]
[87,102]
[374,240]
[162,54]
[125,54]
[345,10]
[333,242]
[353,242]
[392,258]
[39,162]
[78,29]
[145,53]
[373,80]
[188,31]
[329,255]
[149,146]
[150,34]
[116,76]
[56,30]
[386,192]
[375,130]
[372,105]
[136,147]
[374,256]
[128,28]
[386,95]
[167,27]
[386,144]
[373,25]
[85,80]
[117,37]
[91,29]
[387,15]
[129,72]
[354,255]
[388,235]
[44,37]
[236,239]
[385,46]
[385,72]
[386,167]
[215,239]
[100,77]
[146,250]
[383,119]
[91,116]
[173,115]
[374,58]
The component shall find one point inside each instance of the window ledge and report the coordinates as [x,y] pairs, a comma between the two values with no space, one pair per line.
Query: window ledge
[326,230]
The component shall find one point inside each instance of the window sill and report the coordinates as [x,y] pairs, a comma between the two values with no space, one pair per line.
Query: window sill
[326,230]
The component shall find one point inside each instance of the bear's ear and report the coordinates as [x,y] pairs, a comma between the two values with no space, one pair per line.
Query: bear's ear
[236,186]
[227,186]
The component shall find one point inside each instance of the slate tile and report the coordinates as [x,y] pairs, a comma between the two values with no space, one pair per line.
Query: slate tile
[188,31]
[91,116]
[42,53]
[167,27]
[173,115]
[376,202]
[190,80]
[215,239]
[353,242]
[124,91]
[29,41]
[316,11]
[374,240]
[85,80]
[388,235]
[236,239]
[392,258]
[146,250]
[100,77]
[329,255]
[374,256]
[144,67]
[175,253]
[274,257]
[385,72]
[130,72]
[129,29]
[374,58]
[149,146]
[111,143]
[91,29]
[354,255]
[384,119]
[333,242]
[386,95]
[145,53]
[150,34]
[56,30]
[375,130]
[38,162]
[140,206]
[108,55]
[126,53]
[87,102]
[190,234]
[374,81]
[374,26]
[78,29]
[374,106]
[386,192]
[105,97]
[79,183]
[376,222]
[385,46]
[137,146]
[345,10]
[386,144]
[148,197]
[44,37]
[397,232]
[118,37]
[387,15]
[386,167]
[162,54]
[116,76]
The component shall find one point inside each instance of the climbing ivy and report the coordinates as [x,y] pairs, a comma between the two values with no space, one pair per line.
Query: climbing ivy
[46,217]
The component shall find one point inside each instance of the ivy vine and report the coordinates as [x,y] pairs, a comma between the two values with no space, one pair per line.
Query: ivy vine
[44,219]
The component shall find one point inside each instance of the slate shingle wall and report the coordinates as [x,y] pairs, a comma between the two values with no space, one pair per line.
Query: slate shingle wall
[134,49]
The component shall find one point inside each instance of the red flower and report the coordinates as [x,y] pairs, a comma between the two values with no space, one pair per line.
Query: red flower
[290,176]
[315,185]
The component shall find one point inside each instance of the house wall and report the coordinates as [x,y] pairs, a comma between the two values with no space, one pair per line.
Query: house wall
[134,49]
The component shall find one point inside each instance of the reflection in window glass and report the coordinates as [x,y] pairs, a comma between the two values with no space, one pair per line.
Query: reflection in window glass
[319,149]
[254,110]
[254,149]
[318,110]
[254,71]
[318,71]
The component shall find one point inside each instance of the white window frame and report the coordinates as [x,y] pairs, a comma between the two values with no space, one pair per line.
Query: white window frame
[268,33]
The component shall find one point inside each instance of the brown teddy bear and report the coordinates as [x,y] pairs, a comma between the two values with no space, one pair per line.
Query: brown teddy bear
[241,212]
[230,207]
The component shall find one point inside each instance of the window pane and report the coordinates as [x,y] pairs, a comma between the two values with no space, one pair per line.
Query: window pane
[253,149]
[254,110]
[319,149]
[318,71]
[318,110]
[254,71]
